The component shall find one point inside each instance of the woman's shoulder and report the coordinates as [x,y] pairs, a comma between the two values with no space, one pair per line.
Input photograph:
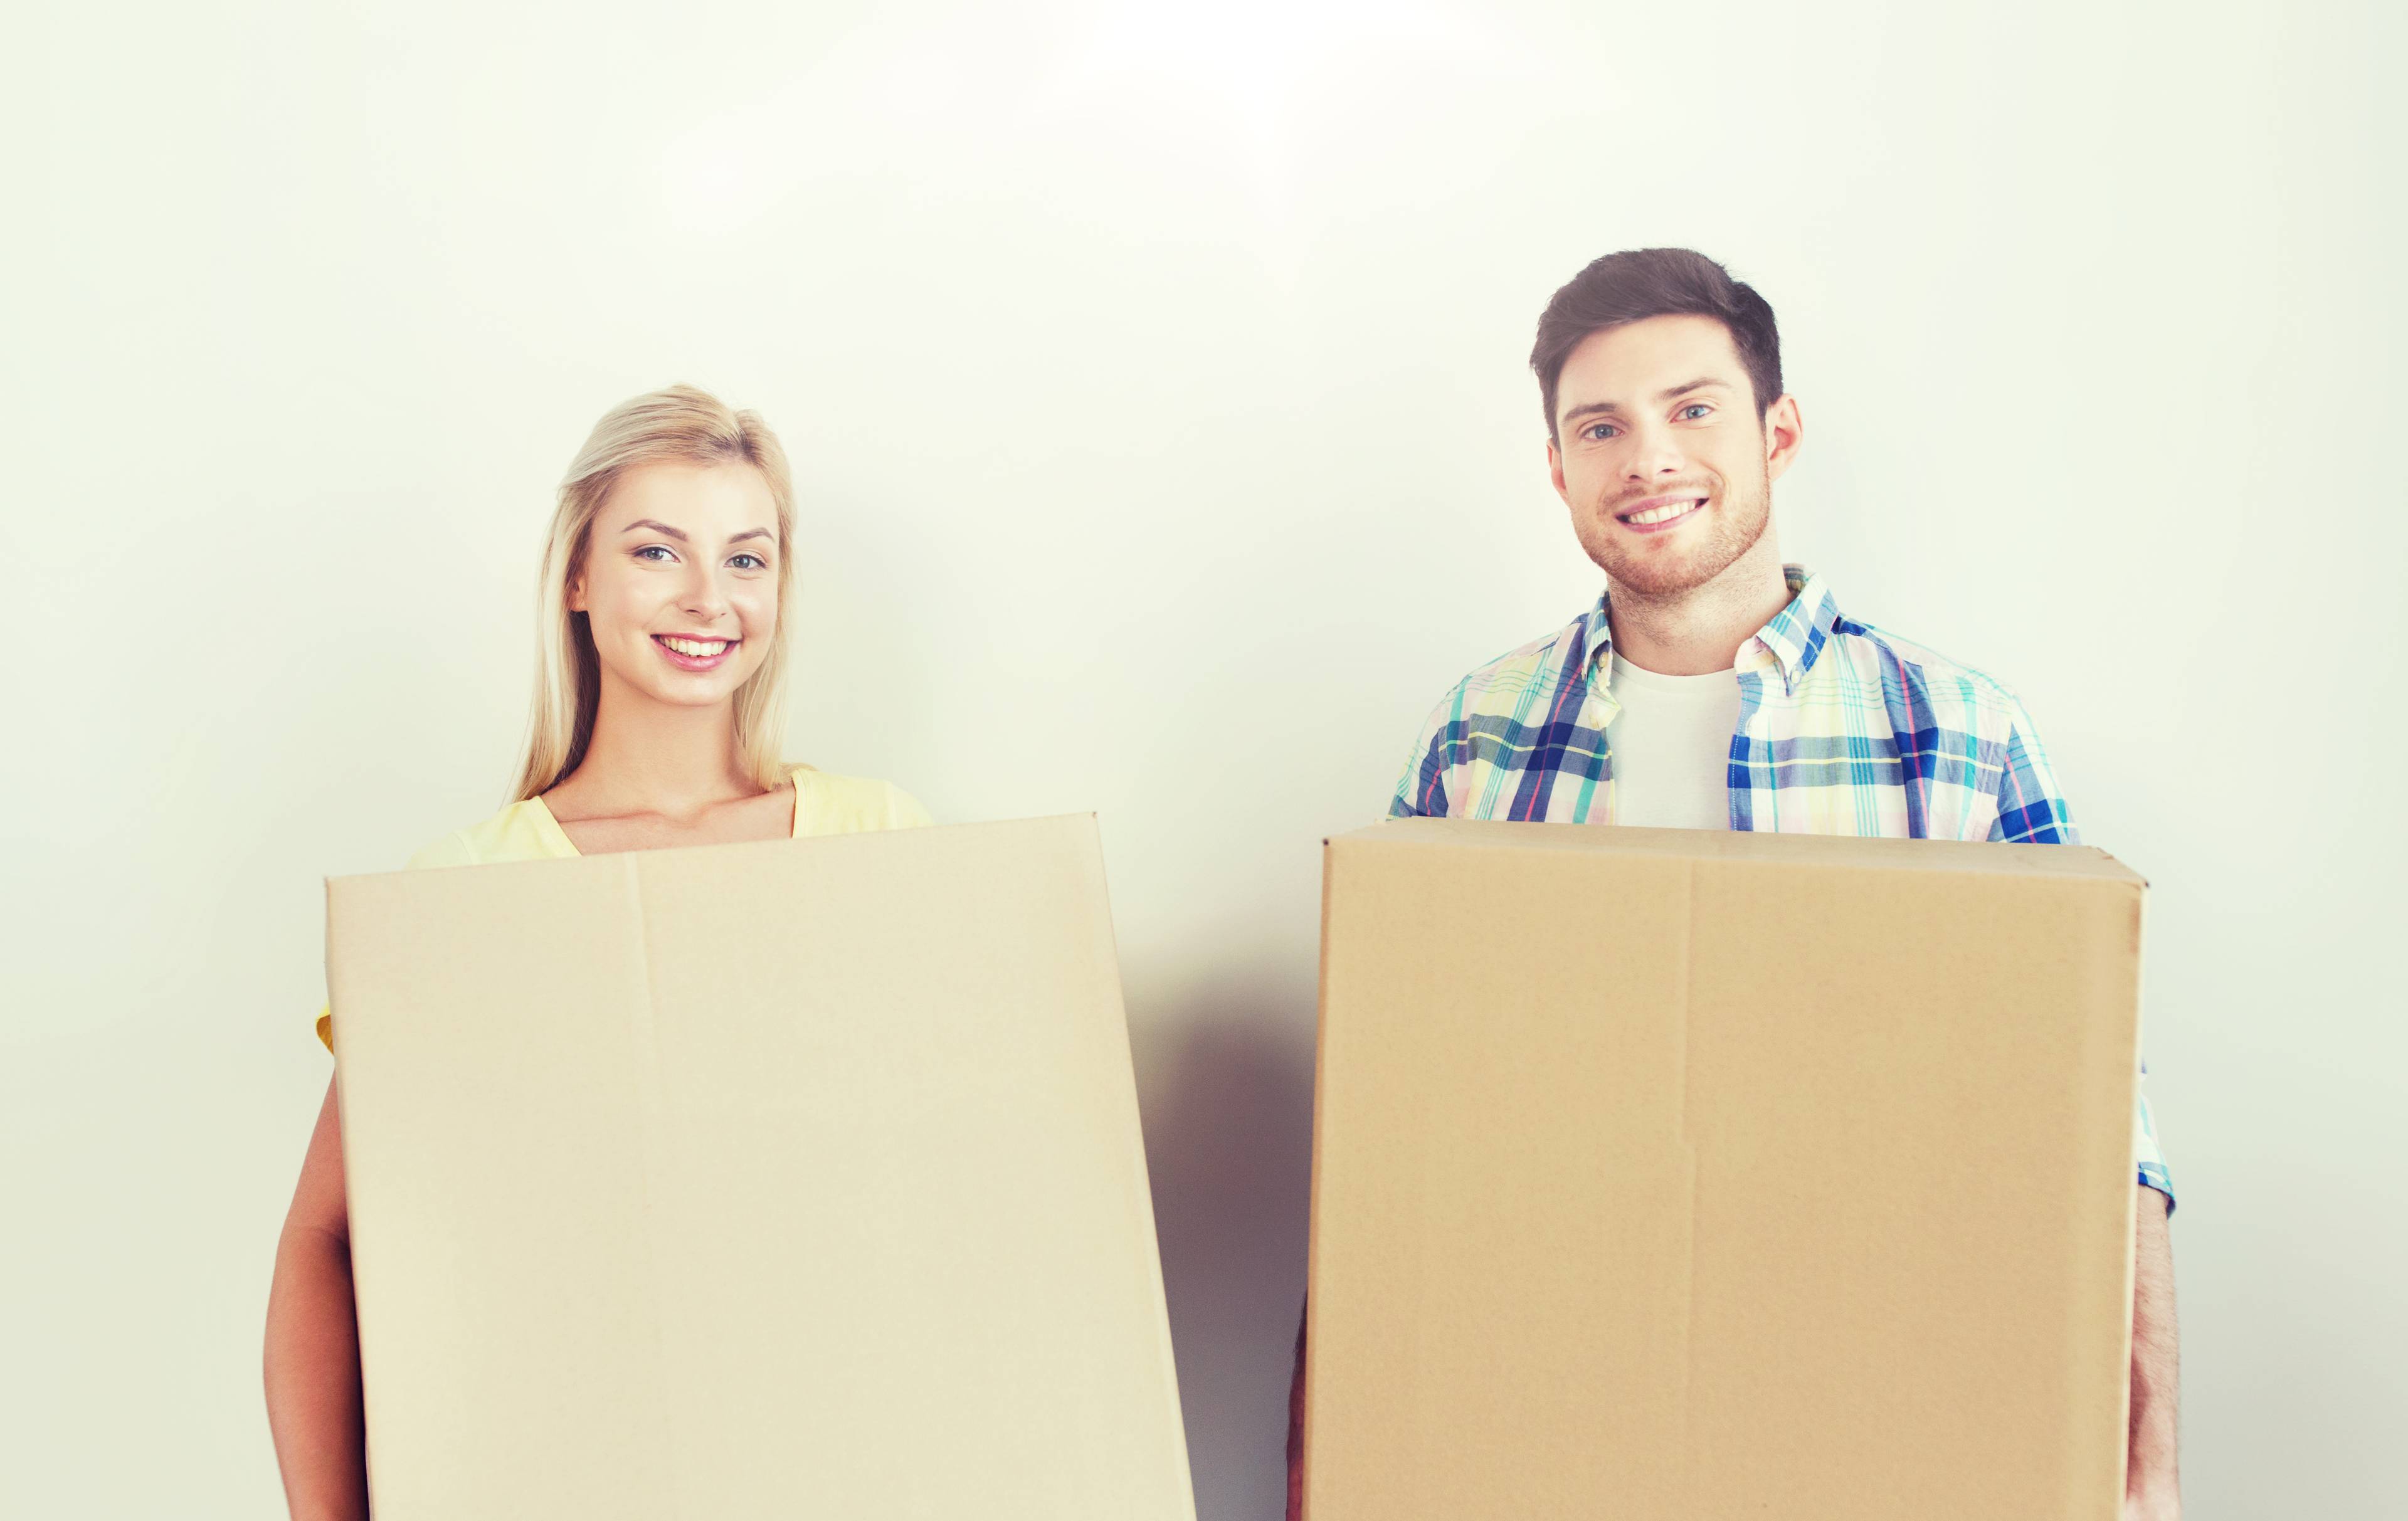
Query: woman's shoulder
[827,803]
[523,831]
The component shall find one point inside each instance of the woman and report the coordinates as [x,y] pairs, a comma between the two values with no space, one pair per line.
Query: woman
[658,713]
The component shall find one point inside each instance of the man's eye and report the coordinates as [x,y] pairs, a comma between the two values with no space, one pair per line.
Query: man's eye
[1695,410]
[1598,432]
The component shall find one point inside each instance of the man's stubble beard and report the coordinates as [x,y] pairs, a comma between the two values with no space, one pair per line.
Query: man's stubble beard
[1745,514]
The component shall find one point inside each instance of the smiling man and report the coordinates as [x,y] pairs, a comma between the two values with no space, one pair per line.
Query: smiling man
[1713,687]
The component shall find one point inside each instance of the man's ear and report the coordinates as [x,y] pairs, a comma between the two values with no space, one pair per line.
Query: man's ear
[1785,430]
[1555,469]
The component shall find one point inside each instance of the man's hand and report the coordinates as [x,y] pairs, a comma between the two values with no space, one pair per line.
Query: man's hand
[2152,1484]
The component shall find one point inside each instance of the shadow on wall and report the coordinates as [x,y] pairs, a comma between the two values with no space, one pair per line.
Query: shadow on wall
[1228,1140]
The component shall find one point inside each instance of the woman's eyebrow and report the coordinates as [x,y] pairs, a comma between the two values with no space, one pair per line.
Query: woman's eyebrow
[659,528]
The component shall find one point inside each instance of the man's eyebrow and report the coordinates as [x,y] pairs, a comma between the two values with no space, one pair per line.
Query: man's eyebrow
[1699,384]
[1613,408]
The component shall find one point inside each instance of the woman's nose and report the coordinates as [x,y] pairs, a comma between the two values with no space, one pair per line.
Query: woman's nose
[703,596]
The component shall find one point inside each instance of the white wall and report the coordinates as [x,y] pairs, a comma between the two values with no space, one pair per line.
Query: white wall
[1154,377]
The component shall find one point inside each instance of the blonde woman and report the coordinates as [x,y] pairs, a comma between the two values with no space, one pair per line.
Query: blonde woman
[657,718]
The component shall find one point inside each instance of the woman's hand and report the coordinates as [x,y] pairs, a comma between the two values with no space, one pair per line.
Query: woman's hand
[314,1409]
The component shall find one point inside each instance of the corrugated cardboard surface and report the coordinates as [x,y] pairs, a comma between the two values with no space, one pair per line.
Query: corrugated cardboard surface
[1662,1173]
[801,1178]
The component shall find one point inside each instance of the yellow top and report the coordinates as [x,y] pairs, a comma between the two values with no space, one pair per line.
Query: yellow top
[825,804]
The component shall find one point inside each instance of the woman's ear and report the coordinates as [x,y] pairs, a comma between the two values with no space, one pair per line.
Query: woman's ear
[577,592]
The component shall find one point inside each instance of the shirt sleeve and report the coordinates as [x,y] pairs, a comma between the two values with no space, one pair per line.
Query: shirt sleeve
[451,850]
[1421,791]
[2032,810]
[2149,1160]
[903,811]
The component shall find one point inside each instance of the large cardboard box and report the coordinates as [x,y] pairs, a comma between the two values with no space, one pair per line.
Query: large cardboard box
[791,1179]
[1661,1173]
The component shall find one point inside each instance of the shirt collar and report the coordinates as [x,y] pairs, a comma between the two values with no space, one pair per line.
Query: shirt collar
[1794,639]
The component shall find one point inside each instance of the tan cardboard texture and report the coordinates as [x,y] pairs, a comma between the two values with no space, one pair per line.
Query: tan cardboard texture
[1664,1174]
[799,1178]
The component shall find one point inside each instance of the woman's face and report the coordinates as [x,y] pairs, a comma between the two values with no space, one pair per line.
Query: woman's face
[680,581]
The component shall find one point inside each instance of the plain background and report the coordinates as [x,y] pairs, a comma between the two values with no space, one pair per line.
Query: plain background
[1155,379]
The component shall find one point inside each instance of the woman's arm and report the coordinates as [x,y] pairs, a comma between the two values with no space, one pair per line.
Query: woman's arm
[313,1342]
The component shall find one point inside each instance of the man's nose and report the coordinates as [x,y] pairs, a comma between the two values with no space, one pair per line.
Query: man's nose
[1652,453]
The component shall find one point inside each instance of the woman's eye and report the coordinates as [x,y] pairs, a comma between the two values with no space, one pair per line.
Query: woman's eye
[652,551]
[749,561]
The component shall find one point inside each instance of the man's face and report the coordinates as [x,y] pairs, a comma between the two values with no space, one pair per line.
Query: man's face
[1660,455]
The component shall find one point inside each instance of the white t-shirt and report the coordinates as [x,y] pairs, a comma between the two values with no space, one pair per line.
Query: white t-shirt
[1671,747]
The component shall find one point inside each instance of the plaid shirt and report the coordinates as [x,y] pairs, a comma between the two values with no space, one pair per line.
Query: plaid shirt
[1844,729]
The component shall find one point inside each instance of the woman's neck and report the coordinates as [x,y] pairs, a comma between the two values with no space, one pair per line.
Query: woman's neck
[647,757]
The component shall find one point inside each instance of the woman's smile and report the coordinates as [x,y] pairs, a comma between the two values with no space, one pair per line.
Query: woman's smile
[693,652]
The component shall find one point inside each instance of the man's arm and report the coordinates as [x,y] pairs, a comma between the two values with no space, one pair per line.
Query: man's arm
[2152,1486]
[2032,809]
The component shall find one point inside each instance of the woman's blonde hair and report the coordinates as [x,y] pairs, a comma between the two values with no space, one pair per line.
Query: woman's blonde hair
[678,424]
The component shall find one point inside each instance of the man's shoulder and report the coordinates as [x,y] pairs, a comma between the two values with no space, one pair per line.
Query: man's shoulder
[1532,671]
[1960,730]
[1498,720]
[1922,673]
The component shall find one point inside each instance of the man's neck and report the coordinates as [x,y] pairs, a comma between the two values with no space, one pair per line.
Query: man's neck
[1699,631]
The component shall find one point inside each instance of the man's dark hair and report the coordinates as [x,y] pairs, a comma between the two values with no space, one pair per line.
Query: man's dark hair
[1638,283]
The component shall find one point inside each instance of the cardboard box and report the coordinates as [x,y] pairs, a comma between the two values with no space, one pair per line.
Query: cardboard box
[1662,1173]
[791,1179]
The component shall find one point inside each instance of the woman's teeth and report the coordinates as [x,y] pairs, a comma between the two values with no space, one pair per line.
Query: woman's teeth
[1665,513]
[698,649]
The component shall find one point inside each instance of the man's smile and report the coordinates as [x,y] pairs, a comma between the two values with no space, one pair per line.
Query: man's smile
[1657,513]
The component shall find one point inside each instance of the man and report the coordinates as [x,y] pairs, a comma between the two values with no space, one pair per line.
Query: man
[1711,687]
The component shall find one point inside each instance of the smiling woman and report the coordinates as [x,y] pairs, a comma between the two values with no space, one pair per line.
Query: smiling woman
[657,720]
[650,515]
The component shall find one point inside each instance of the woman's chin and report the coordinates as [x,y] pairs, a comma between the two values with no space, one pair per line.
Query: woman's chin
[675,684]
[684,689]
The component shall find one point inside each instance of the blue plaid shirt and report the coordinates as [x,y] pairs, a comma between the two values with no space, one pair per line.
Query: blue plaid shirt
[1844,729]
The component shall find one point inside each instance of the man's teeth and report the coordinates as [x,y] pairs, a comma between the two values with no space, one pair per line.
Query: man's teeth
[698,649]
[1665,513]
